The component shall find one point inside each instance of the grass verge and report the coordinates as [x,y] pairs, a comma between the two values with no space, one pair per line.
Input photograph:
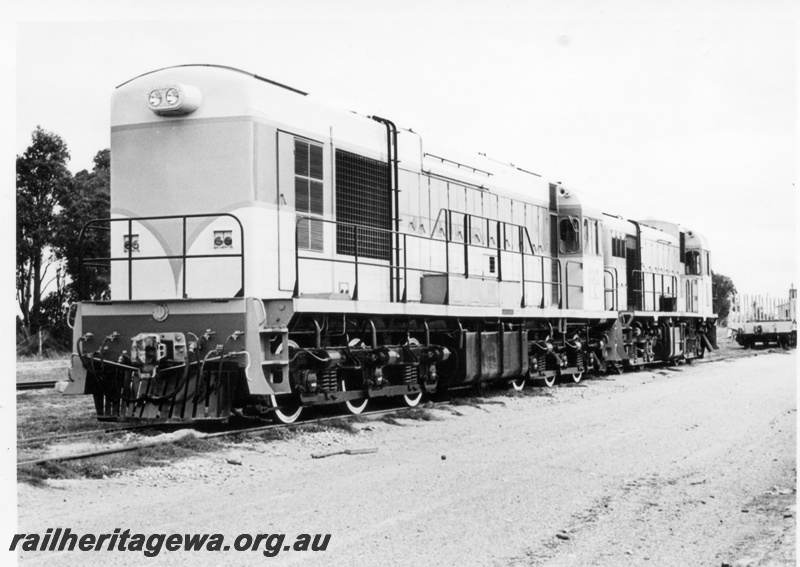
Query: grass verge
[99,467]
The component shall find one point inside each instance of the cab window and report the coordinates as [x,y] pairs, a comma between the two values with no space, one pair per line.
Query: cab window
[692,261]
[591,237]
[587,244]
[569,236]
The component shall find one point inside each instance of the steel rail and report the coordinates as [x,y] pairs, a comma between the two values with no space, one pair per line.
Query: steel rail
[106,430]
[137,446]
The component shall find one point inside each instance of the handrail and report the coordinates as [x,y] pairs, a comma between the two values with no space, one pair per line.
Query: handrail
[448,241]
[129,258]
[693,306]
[614,289]
[643,293]
[392,179]
[523,238]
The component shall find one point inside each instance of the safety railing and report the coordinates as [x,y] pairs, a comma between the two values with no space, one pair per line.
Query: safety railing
[502,232]
[130,258]
[613,290]
[664,298]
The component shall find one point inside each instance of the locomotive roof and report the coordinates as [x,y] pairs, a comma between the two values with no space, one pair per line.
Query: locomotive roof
[234,69]
[693,239]
[307,115]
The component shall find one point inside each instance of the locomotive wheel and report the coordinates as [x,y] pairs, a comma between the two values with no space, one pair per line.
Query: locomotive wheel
[288,413]
[286,409]
[354,407]
[412,400]
[550,381]
[574,378]
[518,384]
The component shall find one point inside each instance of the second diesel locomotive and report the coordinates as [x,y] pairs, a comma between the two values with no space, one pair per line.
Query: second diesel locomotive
[268,253]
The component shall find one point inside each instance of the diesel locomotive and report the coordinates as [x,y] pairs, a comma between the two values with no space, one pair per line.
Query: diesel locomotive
[269,253]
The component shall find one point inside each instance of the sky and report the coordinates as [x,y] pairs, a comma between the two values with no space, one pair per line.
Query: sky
[686,115]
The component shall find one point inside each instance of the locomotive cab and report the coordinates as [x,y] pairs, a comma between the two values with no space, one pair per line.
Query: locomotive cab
[580,252]
[697,279]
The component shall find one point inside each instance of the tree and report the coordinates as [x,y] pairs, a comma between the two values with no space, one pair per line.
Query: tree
[89,199]
[43,181]
[723,291]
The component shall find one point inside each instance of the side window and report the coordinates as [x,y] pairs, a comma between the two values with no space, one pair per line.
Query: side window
[569,236]
[587,244]
[308,194]
[689,296]
[708,264]
[618,245]
[692,261]
[596,237]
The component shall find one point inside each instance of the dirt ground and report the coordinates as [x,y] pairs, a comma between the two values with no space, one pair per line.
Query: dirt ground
[693,465]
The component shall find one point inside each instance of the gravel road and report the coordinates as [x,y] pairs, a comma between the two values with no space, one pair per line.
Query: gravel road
[687,466]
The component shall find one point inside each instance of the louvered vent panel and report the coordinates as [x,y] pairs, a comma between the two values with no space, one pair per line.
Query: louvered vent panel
[315,206]
[315,240]
[301,158]
[315,162]
[301,195]
[363,199]
[308,196]
[303,233]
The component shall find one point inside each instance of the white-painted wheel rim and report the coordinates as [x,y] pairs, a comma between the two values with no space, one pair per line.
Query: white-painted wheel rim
[412,400]
[355,407]
[291,412]
[518,384]
[283,415]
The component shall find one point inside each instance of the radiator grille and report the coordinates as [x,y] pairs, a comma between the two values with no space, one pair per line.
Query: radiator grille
[363,199]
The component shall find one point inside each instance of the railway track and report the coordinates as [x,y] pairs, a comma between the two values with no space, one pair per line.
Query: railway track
[102,431]
[37,385]
[261,426]
[212,435]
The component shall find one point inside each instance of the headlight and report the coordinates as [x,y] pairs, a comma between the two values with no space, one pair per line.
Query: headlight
[130,243]
[171,100]
[172,97]
[223,239]
[155,98]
